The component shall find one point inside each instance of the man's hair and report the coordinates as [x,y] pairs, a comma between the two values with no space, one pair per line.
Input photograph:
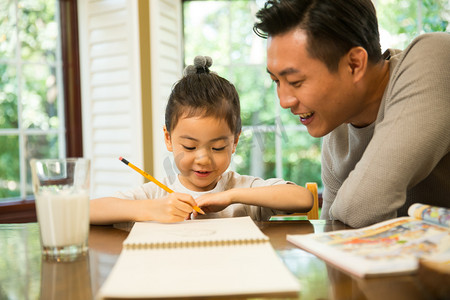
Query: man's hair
[207,95]
[332,27]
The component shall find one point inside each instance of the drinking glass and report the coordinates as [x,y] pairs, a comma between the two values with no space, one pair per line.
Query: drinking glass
[61,190]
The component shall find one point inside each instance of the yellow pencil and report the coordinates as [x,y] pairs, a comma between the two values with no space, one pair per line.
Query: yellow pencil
[153,179]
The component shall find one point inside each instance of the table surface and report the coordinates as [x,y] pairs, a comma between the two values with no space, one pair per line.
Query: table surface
[25,275]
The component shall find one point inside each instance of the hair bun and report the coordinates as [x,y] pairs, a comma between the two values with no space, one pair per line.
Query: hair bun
[201,65]
[208,62]
[189,70]
[199,62]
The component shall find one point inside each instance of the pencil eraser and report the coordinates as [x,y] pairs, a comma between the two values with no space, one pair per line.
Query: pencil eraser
[120,158]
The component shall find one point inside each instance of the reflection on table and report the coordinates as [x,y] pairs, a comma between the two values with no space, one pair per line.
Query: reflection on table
[24,275]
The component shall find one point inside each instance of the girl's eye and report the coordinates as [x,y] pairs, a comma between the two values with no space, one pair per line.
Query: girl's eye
[189,148]
[219,149]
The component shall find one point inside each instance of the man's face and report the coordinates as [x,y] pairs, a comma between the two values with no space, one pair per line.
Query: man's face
[323,100]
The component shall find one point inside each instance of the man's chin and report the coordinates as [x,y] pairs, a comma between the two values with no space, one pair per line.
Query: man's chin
[316,133]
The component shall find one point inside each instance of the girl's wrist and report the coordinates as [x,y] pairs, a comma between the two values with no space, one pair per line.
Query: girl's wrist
[232,196]
[142,210]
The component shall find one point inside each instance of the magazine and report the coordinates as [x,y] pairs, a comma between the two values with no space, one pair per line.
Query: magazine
[390,247]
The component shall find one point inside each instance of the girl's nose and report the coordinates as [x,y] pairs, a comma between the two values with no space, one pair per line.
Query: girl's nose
[202,157]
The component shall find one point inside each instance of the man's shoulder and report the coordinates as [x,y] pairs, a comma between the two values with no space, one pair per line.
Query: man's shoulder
[433,37]
[423,66]
[427,46]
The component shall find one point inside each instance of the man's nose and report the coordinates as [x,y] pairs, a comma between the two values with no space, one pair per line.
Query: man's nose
[286,97]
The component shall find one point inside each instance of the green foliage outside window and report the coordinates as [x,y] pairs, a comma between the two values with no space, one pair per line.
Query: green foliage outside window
[403,20]
[29,120]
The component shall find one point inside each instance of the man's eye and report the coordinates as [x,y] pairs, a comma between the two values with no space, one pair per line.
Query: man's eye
[189,148]
[296,83]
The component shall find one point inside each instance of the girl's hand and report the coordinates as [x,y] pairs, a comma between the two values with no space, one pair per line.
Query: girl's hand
[214,202]
[174,207]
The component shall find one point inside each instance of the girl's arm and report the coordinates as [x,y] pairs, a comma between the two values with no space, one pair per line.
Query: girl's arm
[174,207]
[285,197]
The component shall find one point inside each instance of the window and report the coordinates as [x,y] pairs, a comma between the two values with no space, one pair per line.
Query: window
[39,94]
[400,21]
[273,143]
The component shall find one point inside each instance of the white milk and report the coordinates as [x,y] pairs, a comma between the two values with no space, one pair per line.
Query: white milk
[64,219]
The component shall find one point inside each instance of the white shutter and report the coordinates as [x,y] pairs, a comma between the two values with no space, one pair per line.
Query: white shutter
[166,66]
[111,92]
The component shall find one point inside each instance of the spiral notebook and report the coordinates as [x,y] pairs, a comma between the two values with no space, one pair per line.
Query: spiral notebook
[198,258]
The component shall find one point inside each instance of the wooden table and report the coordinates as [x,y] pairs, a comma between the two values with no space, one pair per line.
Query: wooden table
[24,275]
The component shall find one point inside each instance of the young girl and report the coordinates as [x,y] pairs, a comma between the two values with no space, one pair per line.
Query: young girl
[202,130]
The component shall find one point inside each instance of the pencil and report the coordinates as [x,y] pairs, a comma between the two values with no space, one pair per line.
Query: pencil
[155,181]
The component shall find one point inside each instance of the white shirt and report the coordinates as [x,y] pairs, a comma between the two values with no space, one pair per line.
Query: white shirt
[229,180]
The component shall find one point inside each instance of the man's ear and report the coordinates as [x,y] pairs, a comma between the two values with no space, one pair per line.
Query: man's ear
[357,60]
[236,140]
[167,139]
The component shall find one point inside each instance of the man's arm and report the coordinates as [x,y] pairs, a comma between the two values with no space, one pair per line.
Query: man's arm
[408,142]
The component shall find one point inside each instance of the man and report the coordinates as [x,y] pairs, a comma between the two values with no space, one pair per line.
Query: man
[384,118]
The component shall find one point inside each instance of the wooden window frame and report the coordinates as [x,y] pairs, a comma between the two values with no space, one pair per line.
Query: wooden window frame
[24,211]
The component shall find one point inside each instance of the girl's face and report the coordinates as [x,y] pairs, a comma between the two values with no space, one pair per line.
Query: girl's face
[202,148]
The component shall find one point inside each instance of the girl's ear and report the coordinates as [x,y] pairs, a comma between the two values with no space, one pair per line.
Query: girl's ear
[167,139]
[236,140]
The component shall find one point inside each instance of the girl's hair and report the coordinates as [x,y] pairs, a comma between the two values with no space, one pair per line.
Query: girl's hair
[206,94]
[332,27]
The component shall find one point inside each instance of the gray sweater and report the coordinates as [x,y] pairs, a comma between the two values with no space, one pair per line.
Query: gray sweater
[375,173]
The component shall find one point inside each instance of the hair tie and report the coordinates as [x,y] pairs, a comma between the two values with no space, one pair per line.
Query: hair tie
[201,65]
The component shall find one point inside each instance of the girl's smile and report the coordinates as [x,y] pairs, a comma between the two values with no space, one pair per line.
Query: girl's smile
[202,173]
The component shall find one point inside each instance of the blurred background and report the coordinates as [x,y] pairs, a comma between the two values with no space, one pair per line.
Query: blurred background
[37,113]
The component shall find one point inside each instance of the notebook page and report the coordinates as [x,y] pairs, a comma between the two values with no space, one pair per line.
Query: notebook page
[200,271]
[194,232]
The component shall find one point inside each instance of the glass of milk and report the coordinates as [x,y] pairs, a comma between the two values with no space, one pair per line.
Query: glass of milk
[61,190]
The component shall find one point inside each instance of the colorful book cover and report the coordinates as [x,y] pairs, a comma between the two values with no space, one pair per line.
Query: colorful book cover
[393,246]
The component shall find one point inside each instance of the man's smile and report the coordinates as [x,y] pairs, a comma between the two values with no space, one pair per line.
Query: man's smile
[305,116]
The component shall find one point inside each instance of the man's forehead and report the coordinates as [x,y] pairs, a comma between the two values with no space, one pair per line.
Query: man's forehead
[286,71]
